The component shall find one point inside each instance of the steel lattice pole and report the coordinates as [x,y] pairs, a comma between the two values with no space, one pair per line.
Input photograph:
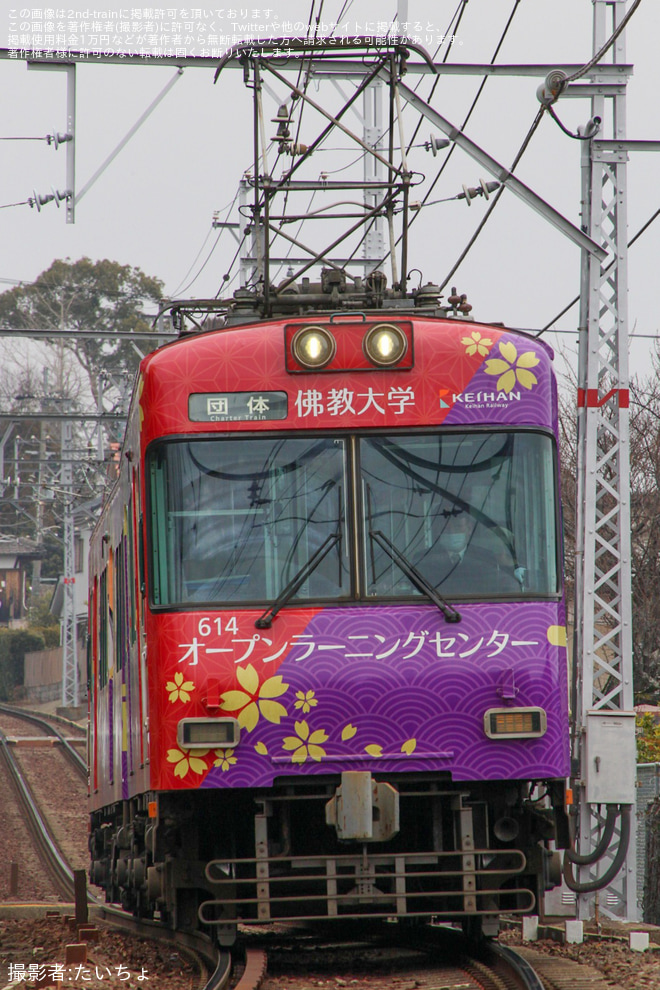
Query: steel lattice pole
[603,572]
[70,679]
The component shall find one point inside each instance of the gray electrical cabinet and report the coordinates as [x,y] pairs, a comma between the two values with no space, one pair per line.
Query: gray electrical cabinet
[610,757]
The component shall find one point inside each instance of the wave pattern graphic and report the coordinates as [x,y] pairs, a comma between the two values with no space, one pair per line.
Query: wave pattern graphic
[423,713]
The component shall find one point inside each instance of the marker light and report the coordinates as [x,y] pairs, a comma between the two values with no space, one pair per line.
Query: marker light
[385,344]
[313,347]
[515,723]
[205,733]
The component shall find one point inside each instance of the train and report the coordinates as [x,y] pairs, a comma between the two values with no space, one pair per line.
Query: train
[327,633]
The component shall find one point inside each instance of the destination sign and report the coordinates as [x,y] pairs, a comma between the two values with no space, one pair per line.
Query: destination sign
[227,407]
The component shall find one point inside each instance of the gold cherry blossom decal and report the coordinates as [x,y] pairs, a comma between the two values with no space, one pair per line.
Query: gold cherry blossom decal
[179,689]
[306,701]
[185,762]
[255,698]
[305,744]
[511,368]
[225,760]
[476,344]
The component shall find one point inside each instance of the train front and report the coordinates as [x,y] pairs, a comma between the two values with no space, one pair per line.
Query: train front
[355,627]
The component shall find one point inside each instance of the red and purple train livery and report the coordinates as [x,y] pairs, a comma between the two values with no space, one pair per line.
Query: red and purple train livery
[328,668]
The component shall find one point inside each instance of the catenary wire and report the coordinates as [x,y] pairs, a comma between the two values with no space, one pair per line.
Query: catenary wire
[299,126]
[456,16]
[496,198]
[305,85]
[473,105]
[346,7]
[184,288]
[459,13]
[566,130]
[463,125]
[608,44]
[179,289]
[605,270]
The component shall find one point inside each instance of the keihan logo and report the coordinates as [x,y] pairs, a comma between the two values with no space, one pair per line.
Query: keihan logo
[442,392]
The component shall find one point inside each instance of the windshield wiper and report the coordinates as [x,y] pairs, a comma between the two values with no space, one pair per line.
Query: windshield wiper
[265,621]
[418,579]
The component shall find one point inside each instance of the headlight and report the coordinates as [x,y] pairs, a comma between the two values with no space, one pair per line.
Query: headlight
[313,347]
[385,344]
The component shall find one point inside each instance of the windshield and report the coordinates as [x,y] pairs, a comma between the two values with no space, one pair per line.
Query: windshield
[239,519]
[236,519]
[473,513]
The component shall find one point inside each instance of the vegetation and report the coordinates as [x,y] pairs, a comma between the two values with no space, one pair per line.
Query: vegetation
[69,374]
[82,297]
[14,644]
[648,739]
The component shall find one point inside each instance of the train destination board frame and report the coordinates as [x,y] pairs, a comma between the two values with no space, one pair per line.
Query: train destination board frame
[226,407]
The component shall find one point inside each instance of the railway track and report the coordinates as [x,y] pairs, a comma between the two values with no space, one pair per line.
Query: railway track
[214,966]
[430,958]
[46,726]
[436,959]
[39,829]
[49,784]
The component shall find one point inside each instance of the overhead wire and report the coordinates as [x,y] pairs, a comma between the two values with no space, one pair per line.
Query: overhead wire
[487,215]
[466,119]
[227,281]
[572,303]
[608,44]
[567,131]
[345,8]
[473,105]
[456,16]
[299,127]
[305,85]
[181,288]
[546,107]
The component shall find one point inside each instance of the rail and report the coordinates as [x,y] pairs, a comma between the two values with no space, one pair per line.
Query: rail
[55,862]
[72,754]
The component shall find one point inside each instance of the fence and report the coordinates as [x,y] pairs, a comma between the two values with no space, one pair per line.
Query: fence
[42,679]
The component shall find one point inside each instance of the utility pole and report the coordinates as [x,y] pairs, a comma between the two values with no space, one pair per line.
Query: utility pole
[39,514]
[372,133]
[7,432]
[603,708]
[70,678]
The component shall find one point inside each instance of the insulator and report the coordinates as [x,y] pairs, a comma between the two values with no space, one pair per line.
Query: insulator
[434,144]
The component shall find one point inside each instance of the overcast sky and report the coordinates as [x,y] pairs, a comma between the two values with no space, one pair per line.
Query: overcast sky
[153,207]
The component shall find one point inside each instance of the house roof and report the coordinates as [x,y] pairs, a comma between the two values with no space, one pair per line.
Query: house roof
[19,548]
